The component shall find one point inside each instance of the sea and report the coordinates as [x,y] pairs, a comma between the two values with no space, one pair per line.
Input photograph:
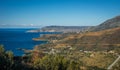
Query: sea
[14,38]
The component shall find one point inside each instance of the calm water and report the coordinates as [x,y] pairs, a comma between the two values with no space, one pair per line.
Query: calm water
[18,38]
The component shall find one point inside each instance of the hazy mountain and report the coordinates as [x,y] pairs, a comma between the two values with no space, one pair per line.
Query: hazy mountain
[63,29]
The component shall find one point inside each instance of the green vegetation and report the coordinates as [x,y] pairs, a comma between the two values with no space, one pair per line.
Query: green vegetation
[9,62]
[65,60]
[55,62]
[6,59]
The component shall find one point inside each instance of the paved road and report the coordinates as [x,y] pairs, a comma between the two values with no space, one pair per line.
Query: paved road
[110,67]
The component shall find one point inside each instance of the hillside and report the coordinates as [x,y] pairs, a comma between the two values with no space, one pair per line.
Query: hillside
[108,24]
[101,40]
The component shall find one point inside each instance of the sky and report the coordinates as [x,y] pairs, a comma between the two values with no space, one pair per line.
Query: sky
[39,13]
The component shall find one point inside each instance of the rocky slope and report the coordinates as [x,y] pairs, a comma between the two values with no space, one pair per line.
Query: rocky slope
[105,39]
[111,23]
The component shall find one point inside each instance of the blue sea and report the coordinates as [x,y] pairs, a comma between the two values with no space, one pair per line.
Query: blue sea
[12,39]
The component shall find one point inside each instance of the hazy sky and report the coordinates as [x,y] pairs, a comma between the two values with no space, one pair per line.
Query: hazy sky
[36,13]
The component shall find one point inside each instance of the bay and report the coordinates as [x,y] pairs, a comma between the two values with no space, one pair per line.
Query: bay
[12,39]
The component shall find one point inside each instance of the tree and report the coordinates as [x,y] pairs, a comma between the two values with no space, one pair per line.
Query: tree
[6,61]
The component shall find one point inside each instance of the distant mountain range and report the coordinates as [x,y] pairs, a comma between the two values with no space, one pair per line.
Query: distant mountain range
[64,29]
